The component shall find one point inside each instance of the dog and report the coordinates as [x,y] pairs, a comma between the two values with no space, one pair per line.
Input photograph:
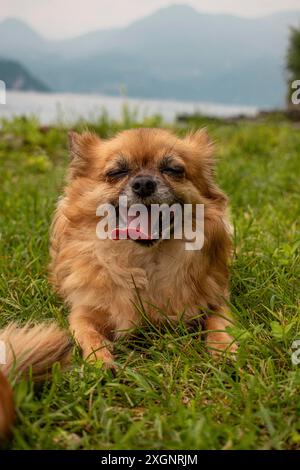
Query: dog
[103,279]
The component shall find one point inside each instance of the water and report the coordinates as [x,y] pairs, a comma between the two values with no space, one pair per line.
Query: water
[67,107]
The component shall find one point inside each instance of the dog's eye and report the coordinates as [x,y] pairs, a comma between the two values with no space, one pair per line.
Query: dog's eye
[117,173]
[177,170]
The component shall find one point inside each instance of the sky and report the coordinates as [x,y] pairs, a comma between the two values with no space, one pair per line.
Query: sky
[66,18]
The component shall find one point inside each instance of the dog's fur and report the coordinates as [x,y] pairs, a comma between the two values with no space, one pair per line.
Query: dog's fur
[101,280]
[34,347]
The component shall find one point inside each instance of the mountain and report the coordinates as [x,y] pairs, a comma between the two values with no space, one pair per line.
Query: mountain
[17,77]
[17,39]
[176,52]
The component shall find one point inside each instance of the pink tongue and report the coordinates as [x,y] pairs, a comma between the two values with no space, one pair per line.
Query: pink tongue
[134,232]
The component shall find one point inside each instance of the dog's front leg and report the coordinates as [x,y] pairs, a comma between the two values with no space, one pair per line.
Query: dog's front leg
[218,340]
[90,330]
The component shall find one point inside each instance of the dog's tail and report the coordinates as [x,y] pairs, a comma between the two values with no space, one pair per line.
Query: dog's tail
[30,348]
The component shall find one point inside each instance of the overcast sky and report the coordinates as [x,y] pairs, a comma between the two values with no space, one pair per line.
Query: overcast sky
[63,18]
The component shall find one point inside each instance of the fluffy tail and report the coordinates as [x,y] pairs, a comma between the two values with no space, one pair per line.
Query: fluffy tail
[31,347]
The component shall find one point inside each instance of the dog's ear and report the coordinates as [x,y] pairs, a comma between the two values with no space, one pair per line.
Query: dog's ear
[204,147]
[73,140]
[83,149]
[201,141]
[81,144]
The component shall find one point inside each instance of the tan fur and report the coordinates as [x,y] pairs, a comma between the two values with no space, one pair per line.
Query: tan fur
[99,279]
[31,347]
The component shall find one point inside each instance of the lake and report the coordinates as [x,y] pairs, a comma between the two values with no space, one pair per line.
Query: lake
[67,107]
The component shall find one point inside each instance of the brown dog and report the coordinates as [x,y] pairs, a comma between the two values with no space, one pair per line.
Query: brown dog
[101,279]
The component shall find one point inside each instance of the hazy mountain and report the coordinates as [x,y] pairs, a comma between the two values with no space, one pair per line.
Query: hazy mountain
[18,40]
[176,52]
[16,77]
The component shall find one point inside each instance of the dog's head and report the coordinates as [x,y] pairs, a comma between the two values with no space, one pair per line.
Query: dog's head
[148,166]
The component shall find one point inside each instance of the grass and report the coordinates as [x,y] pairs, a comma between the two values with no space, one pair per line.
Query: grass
[168,392]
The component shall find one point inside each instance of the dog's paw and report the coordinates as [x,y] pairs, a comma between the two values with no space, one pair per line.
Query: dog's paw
[102,354]
[220,343]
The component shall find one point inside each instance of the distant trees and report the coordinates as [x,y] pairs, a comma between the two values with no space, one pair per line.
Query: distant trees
[293,67]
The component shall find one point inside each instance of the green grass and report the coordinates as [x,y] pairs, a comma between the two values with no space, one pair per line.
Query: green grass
[168,392]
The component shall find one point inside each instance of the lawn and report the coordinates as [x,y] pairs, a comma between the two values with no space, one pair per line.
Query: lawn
[168,392]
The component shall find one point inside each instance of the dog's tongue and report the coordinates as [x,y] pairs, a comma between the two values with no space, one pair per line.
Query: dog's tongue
[133,230]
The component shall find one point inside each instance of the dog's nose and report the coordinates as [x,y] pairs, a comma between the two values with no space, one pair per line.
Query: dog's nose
[143,186]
